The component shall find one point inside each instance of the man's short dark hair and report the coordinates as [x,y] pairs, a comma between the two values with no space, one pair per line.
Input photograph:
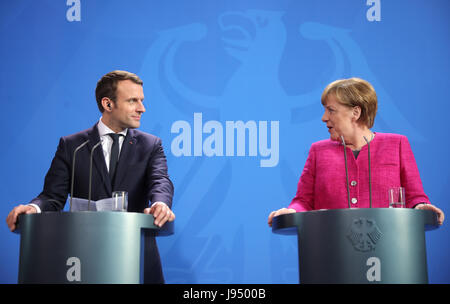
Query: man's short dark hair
[107,85]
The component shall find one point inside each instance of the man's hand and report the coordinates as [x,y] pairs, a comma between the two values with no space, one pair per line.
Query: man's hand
[11,220]
[161,212]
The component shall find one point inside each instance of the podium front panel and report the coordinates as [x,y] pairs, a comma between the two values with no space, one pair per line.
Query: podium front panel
[83,247]
[360,245]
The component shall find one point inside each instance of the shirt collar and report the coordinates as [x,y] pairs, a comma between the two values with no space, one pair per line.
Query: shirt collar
[105,130]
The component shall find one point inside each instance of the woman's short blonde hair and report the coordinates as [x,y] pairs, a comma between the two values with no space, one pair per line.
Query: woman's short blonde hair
[354,92]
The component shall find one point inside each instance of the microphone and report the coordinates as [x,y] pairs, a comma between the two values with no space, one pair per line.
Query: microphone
[346,170]
[370,178]
[90,172]
[73,170]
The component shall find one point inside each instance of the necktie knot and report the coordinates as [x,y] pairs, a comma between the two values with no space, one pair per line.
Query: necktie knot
[114,136]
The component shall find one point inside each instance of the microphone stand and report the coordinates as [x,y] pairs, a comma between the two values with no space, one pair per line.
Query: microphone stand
[73,171]
[370,178]
[346,170]
[90,173]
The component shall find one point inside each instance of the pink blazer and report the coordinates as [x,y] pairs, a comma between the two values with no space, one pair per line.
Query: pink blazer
[322,184]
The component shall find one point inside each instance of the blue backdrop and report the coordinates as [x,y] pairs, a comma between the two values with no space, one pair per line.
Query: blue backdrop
[210,66]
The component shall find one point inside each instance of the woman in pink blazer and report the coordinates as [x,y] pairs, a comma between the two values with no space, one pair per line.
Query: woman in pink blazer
[350,109]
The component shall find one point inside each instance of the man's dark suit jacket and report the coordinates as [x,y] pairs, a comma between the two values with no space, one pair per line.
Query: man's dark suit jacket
[141,171]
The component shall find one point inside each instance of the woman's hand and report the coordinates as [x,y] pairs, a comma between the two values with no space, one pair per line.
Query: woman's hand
[438,211]
[279,212]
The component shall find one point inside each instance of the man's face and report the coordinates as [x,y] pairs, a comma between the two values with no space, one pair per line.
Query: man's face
[128,107]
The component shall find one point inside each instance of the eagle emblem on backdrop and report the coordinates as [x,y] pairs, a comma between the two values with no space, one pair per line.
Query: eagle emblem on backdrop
[364,234]
[254,43]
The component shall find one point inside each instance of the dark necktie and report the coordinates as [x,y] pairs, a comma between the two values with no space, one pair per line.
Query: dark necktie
[114,155]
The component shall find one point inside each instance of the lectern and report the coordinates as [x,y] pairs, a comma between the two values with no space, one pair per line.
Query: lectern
[379,245]
[86,247]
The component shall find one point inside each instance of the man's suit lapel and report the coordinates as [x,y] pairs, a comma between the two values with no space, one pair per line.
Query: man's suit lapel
[98,160]
[126,154]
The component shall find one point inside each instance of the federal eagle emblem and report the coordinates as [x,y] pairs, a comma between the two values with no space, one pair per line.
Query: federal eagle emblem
[364,234]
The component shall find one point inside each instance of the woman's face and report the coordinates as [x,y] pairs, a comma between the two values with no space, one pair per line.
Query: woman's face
[340,119]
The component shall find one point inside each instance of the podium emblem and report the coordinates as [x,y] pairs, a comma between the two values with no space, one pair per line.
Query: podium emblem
[364,234]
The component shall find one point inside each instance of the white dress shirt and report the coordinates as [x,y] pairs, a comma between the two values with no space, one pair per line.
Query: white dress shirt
[103,131]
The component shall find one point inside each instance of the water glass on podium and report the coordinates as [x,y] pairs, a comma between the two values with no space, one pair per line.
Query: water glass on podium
[397,197]
[120,201]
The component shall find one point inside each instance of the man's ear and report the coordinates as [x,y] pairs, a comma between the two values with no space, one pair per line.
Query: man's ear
[107,104]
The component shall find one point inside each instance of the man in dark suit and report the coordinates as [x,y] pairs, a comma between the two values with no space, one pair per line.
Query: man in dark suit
[125,160]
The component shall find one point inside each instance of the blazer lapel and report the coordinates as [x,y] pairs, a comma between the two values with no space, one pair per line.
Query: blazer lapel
[98,160]
[126,154]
